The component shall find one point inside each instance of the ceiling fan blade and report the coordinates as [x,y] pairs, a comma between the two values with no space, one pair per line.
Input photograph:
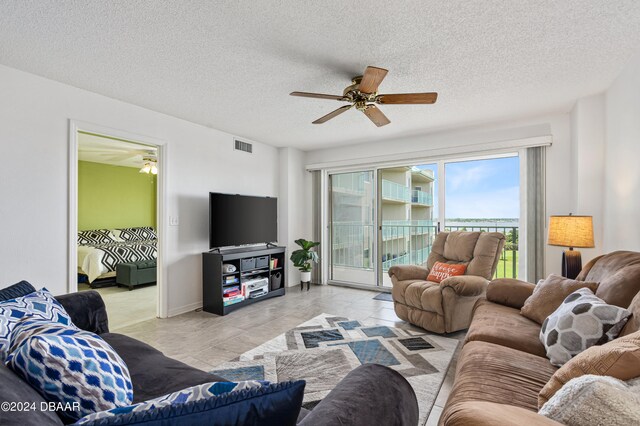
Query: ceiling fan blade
[122,157]
[332,114]
[317,95]
[371,79]
[377,116]
[408,98]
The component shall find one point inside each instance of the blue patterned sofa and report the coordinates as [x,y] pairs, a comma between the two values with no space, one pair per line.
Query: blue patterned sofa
[370,394]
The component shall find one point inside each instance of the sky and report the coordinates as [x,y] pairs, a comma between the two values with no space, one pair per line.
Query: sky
[480,188]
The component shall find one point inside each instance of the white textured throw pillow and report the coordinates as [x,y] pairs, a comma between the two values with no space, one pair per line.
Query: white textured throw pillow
[581,321]
[595,400]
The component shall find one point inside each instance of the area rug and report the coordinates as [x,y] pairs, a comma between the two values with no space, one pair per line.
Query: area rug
[384,296]
[324,349]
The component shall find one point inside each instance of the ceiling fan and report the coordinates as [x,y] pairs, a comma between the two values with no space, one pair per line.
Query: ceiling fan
[122,154]
[363,95]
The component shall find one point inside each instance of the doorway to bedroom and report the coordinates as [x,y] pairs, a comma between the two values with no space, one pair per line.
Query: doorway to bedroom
[117,229]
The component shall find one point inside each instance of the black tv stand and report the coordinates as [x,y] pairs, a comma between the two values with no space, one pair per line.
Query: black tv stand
[271,245]
[250,263]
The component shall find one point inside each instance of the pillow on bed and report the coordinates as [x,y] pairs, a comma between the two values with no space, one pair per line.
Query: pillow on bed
[96,236]
[141,233]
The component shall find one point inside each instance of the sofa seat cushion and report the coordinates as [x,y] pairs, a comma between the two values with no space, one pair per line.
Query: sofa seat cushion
[421,294]
[493,373]
[14,390]
[152,373]
[505,326]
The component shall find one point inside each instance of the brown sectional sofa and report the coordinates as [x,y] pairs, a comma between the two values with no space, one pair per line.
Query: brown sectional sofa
[502,366]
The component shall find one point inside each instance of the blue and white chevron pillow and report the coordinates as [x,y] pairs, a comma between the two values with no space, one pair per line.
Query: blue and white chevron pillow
[37,305]
[73,367]
[194,393]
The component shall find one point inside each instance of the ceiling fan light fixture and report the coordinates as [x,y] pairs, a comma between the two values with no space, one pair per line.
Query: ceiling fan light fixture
[149,167]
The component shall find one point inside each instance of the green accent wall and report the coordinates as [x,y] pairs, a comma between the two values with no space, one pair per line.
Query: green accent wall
[114,197]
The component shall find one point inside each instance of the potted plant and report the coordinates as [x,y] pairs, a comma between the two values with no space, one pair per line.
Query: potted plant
[303,257]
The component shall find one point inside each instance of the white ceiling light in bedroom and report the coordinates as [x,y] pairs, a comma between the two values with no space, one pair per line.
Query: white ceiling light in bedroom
[150,166]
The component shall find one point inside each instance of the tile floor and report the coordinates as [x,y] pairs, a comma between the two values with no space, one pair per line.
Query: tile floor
[204,340]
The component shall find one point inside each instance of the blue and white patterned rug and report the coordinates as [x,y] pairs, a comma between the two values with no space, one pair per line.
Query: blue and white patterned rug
[324,349]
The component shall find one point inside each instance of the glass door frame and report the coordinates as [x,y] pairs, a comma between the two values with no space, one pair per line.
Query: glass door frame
[377,217]
[327,250]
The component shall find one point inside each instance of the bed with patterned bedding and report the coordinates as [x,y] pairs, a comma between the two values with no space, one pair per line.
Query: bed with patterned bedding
[101,250]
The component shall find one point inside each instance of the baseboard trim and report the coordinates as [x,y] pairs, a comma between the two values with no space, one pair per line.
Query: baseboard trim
[184,309]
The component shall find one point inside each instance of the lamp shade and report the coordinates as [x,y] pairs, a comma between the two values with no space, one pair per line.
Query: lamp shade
[571,231]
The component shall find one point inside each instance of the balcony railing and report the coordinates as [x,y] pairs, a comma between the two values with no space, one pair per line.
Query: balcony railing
[396,192]
[508,262]
[421,197]
[409,243]
[350,182]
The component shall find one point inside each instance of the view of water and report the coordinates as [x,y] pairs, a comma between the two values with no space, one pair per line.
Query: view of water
[483,222]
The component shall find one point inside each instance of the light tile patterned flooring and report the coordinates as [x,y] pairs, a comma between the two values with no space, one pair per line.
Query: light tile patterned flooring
[204,340]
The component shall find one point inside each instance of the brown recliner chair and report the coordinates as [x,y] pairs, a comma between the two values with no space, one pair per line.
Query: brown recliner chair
[446,307]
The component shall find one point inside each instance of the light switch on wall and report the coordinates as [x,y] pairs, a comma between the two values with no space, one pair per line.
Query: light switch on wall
[173,221]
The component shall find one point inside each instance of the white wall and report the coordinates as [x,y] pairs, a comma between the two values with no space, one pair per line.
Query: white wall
[294,207]
[588,166]
[622,161]
[558,158]
[34,122]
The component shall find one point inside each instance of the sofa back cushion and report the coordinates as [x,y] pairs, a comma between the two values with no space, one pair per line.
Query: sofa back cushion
[480,251]
[17,290]
[618,274]
[549,294]
[619,359]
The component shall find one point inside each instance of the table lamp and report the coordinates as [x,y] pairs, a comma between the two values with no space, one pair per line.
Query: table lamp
[571,231]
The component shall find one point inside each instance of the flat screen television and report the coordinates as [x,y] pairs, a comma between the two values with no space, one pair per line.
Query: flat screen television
[241,219]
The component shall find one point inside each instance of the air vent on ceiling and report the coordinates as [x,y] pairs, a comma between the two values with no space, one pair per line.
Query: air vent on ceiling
[244,146]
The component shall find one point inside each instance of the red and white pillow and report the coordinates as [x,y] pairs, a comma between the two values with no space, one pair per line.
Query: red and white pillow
[442,271]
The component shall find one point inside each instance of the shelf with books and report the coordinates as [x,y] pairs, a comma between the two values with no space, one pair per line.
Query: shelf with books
[251,265]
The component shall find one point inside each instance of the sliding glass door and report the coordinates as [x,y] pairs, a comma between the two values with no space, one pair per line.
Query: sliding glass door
[408,218]
[352,227]
[390,216]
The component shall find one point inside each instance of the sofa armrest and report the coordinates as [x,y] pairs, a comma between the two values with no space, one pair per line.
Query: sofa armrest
[87,310]
[465,285]
[408,272]
[509,292]
[481,413]
[369,395]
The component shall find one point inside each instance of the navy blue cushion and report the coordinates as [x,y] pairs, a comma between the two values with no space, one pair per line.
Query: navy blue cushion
[17,290]
[277,404]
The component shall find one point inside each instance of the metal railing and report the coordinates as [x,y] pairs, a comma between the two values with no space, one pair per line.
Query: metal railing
[508,263]
[350,182]
[408,243]
[395,191]
[421,197]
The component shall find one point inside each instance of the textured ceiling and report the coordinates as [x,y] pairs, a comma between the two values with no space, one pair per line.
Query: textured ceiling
[230,65]
[98,149]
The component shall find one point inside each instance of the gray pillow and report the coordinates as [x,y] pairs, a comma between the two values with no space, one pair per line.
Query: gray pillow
[581,321]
